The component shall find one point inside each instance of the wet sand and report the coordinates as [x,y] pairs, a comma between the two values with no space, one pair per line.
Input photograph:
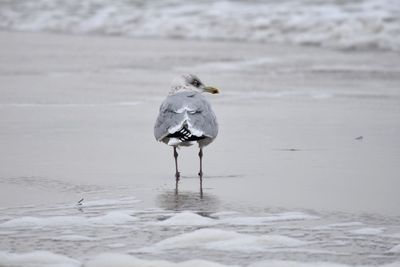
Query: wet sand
[77,117]
[80,110]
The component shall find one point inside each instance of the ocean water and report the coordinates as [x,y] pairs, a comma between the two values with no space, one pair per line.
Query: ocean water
[354,24]
[186,227]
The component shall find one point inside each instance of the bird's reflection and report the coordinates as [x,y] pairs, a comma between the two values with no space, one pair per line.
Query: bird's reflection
[194,201]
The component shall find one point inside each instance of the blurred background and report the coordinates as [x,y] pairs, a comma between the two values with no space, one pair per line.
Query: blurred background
[354,24]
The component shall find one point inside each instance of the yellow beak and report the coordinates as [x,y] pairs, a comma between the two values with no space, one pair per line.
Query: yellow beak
[212,90]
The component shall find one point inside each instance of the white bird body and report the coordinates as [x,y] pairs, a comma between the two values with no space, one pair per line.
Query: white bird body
[186,117]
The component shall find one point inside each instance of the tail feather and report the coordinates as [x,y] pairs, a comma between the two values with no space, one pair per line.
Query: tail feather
[184,135]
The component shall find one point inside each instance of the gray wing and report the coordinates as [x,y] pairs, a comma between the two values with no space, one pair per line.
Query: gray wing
[189,107]
[167,117]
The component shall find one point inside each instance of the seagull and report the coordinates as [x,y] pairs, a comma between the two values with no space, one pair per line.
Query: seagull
[186,118]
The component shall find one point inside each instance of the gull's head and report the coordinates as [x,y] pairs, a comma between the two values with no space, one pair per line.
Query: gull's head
[190,82]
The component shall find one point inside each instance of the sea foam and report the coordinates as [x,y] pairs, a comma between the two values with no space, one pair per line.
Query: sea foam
[371,24]
[121,260]
[37,258]
[188,218]
[217,239]
[368,231]
[110,218]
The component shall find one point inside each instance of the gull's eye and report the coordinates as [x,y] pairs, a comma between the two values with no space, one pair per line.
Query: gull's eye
[196,83]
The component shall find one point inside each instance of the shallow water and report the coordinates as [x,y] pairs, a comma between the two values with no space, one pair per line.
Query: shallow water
[184,226]
[287,181]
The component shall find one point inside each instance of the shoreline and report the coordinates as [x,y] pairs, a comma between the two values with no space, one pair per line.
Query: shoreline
[64,110]
[304,170]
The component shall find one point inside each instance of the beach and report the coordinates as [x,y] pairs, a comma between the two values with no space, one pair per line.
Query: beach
[305,166]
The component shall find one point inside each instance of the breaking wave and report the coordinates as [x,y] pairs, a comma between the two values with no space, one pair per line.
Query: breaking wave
[354,24]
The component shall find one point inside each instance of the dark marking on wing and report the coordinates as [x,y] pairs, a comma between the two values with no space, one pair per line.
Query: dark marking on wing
[185,135]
